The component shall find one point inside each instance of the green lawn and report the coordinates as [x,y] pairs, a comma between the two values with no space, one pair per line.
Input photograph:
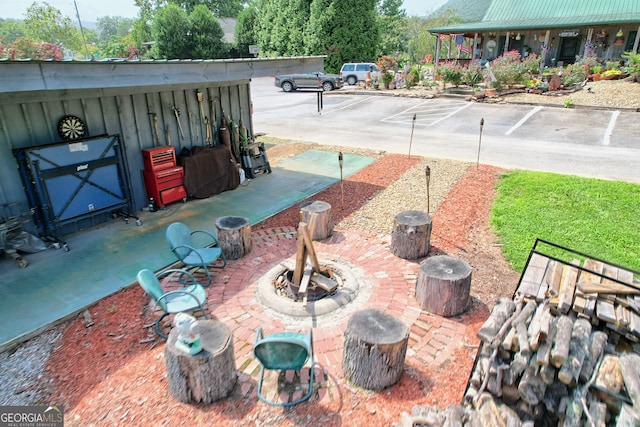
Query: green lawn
[596,217]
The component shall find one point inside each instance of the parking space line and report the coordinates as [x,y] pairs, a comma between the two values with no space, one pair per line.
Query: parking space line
[349,104]
[523,120]
[610,126]
[440,111]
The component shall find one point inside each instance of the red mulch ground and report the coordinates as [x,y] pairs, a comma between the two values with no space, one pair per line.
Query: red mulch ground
[117,346]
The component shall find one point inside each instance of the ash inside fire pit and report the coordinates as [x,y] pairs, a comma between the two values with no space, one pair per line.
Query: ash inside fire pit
[336,286]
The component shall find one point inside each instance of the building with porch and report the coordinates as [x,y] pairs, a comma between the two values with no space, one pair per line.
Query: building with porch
[558,31]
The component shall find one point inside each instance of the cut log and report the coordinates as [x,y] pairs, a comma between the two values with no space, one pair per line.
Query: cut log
[560,350]
[488,411]
[609,381]
[207,376]
[567,288]
[598,413]
[374,349]
[578,350]
[543,354]
[627,416]
[629,363]
[573,416]
[503,309]
[411,234]
[317,215]
[234,236]
[597,341]
[531,387]
[443,285]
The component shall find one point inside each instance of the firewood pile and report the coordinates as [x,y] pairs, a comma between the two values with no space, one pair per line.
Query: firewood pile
[563,352]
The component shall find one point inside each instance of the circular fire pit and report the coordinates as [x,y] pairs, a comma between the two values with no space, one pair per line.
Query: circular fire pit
[276,291]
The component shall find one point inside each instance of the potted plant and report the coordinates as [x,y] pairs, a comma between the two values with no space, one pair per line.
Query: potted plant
[386,66]
[387,77]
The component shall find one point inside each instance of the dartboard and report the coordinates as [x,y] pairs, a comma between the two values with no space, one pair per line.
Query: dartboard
[71,127]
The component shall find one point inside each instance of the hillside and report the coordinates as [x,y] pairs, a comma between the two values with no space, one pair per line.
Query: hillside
[469,10]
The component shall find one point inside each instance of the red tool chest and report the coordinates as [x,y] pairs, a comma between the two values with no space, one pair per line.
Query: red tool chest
[163,179]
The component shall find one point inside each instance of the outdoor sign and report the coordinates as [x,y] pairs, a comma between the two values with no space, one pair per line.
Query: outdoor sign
[253,49]
[570,33]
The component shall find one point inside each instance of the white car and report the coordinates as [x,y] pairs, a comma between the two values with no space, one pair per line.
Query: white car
[354,72]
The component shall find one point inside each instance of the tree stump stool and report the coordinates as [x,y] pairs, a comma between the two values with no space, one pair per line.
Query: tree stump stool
[234,236]
[375,345]
[443,285]
[208,375]
[411,234]
[317,215]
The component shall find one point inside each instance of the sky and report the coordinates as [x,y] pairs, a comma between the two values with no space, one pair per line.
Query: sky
[91,10]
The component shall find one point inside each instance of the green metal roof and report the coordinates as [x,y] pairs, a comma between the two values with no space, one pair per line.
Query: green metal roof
[532,14]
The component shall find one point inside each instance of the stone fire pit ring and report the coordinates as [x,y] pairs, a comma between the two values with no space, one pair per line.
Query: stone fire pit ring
[267,295]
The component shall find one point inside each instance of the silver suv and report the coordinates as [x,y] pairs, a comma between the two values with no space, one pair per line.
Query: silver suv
[353,72]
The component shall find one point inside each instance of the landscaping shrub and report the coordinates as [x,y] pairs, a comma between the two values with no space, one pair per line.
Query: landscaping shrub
[451,72]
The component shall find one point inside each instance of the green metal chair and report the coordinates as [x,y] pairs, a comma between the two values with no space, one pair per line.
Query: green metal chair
[284,351]
[181,243]
[191,298]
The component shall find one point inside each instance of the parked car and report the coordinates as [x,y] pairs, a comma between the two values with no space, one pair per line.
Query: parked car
[354,72]
[310,80]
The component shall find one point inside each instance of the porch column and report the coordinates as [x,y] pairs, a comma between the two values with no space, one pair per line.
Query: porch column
[474,47]
[543,60]
[436,60]
[506,42]
[637,41]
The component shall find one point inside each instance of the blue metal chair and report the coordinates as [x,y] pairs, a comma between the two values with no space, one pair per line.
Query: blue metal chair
[284,351]
[181,244]
[188,299]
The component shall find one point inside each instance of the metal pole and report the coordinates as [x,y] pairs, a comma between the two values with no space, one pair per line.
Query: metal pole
[320,102]
[480,142]
[86,51]
[413,125]
[428,174]
[341,183]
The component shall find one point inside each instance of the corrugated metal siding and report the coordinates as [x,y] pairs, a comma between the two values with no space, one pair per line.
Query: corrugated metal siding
[521,15]
[31,108]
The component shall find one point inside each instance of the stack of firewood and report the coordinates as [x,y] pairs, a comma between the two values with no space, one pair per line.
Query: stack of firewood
[553,368]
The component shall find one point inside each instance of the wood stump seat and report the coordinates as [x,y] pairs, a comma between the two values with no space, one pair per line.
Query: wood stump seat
[207,376]
[411,235]
[234,236]
[374,349]
[317,215]
[443,285]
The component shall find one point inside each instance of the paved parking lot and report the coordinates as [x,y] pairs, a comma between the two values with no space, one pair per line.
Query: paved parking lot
[587,142]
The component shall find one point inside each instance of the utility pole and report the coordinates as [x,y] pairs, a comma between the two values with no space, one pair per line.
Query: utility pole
[86,51]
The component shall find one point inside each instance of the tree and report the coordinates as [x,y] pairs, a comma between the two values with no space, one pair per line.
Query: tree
[206,35]
[178,35]
[110,26]
[27,48]
[170,31]
[424,42]
[245,31]
[345,32]
[392,23]
[219,8]
[10,30]
[45,23]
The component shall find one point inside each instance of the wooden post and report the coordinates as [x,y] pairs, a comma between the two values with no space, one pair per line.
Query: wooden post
[375,345]
[411,234]
[234,236]
[443,285]
[317,215]
[206,376]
